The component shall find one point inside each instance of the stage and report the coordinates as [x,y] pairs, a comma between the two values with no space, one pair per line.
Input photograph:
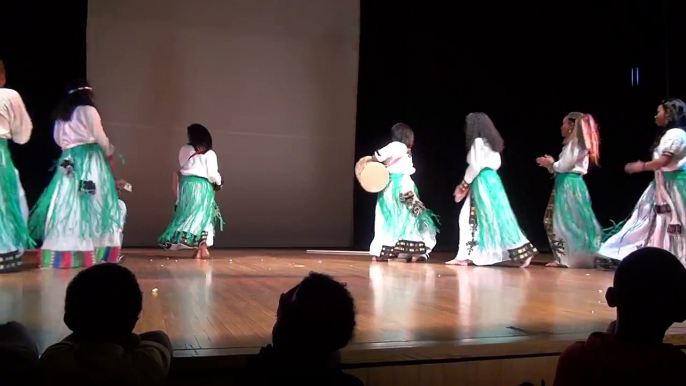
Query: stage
[226,305]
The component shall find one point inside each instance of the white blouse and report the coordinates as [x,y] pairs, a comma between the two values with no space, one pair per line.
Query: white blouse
[396,157]
[573,159]
[15,123]
[481,156]
[84,127]
[199,165]
[672,143]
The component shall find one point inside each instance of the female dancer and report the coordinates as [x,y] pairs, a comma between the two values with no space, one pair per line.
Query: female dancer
[78,215]
[403,227]
[15,125]
[196,208]
[573,231]
[658,218]
[489,232]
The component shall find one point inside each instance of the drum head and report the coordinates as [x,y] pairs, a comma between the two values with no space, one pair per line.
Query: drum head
[374,177]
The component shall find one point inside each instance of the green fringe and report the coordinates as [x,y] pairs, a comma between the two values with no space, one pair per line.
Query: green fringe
[674,180]
[499,228]
[195,211]
[573,206]
[13,228]
[96,218]
[398,218]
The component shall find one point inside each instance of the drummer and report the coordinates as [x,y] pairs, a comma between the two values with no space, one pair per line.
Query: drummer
[403,227]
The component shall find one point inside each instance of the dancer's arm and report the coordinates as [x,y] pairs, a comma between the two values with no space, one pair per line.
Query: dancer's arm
[213,168]
[390,151]
[473,169]
[651,166]
[94,124]
[20,121]
[673,142]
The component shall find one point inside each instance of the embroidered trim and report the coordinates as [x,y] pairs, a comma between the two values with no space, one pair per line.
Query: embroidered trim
[11,261]
[522,253]
[557,245]
[474,227]
[663,208]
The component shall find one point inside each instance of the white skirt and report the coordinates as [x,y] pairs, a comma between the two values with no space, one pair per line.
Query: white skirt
[648,228]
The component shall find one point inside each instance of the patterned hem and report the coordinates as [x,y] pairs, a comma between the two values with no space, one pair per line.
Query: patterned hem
[184,240]
[78,259]
[11,261]
[557,245]
[404,247]
[522,253]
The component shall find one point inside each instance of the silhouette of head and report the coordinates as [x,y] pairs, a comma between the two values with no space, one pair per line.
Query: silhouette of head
[316,316]
[103,301]
[649,290]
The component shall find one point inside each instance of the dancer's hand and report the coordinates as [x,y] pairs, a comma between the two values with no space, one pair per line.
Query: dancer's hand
[634,167]
[460,193]
[545,161]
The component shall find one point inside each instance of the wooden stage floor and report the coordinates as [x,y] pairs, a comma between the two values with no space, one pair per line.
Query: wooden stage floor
[229,302]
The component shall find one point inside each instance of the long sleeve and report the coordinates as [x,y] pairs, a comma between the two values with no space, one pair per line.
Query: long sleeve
[213,168]
[94,124]
[20,122]
[391,151]
[568,158]
[480,157]
[185,154]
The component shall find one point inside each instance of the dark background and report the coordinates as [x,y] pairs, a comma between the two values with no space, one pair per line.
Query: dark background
[428,64]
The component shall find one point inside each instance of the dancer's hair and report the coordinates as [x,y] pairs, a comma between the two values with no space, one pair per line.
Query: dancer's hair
[676,113]
[479,125]
[401,132]
[79,93]
[585,132]
[199,137]
[2,67]
[675,109]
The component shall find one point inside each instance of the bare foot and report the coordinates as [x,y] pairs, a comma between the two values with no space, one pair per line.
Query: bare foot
[204,251]
[555,264]
[458,262]
[526,262]
[197,254]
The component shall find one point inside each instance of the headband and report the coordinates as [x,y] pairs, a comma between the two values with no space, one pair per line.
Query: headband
[79,89]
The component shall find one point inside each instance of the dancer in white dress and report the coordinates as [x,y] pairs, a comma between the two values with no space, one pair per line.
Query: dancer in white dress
[573,230]
[403,227]
[78,216]
[659,216]
[15,125]
[489,232]
[196,209]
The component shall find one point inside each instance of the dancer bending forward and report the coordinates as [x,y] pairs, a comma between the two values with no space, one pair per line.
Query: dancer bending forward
[196,208]
[573,231]
[658,218]
[403,227]
[489,232]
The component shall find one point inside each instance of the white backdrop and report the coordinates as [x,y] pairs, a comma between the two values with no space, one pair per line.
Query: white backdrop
[274,81]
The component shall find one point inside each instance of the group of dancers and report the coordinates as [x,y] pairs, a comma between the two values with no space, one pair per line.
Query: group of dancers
[79,218]
[489,231]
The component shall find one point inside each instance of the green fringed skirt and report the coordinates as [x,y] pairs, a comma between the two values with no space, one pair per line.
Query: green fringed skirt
[489,231]
[196,215]
[403,226]
[78,215]
[573,231]
[14,234]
